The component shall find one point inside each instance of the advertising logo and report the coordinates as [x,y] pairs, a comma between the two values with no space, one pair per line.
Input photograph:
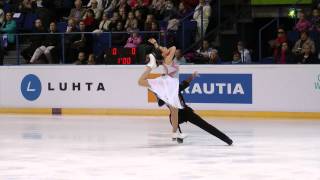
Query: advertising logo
[31,87]
[219,88]
[317,83]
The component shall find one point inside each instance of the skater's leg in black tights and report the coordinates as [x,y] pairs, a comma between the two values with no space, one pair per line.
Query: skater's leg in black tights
[198,121]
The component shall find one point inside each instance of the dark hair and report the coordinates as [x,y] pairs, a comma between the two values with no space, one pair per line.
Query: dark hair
[157,54]
[150,49]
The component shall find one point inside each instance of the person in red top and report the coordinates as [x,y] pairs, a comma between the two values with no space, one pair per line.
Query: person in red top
[276,44]
[134,3]
[89,20]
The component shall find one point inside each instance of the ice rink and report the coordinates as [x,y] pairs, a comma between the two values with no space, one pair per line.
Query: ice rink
[137,148]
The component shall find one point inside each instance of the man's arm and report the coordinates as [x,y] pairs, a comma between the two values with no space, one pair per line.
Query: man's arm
[186,83]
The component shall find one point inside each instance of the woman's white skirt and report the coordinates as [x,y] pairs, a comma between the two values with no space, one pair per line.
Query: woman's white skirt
[167,89]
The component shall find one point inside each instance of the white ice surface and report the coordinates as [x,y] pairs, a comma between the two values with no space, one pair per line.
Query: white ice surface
[137,148]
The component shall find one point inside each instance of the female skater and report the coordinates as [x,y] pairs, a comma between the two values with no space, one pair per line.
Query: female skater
[166,87]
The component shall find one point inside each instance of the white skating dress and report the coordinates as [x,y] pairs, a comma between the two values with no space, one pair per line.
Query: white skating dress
[166,87]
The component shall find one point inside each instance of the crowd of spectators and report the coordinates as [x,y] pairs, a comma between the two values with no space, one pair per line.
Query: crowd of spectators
[126,19]
[301,45]
[98,16]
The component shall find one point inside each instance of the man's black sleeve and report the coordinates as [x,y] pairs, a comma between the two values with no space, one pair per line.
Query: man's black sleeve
[183,85]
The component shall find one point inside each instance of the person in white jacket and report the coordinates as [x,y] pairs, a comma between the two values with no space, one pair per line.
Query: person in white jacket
[206,15]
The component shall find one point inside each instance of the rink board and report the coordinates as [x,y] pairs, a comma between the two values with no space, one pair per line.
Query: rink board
[225,89]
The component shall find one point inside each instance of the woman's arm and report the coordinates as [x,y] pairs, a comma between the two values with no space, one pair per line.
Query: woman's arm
[168,60]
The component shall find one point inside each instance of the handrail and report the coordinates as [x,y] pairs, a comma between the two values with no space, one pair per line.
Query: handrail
[260,36]
[61,33]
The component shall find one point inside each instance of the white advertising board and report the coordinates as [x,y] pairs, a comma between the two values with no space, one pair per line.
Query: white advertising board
[290,88]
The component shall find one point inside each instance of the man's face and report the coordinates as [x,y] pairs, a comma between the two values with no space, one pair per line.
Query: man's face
[52,27]
[8,16]
[81,56]
[38,23]
[82,26]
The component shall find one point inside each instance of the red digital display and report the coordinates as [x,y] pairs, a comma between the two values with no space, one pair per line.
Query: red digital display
[122,56]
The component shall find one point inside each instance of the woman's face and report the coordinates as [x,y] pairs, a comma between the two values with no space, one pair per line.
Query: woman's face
[181,6]
[119,26]
[154,26]
[306,49]
[280,32]
[53,27]
[130,15]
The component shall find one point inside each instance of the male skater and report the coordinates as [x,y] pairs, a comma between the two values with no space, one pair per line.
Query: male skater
[188,115]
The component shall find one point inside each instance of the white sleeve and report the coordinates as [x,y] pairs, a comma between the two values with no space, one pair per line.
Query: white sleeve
[152,63]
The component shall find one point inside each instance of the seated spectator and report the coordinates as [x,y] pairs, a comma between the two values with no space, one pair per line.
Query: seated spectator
[148,23]
[131,22]
[114,21]
[50,43]
[104,24]
[119,39]
[179,58]
[276,43]
[8,29]
[142,7]
[168,10]
[244,53]
[123,15]
[154,27]
[304,39]
[1,14]
[27,6]
[71,27]
[89,20]
[81,59]
[303,24]
[285,56]
[140,19]
[315,20]
[78,12]
[204,53]
[78,42]
[214,57]
[96,4]
[206,16]
[156,7]
[96,9]
[307,57]
[134,40]
[236,58]
[35,41]
[134,3]
[91,59]
[182,11]
[123,4]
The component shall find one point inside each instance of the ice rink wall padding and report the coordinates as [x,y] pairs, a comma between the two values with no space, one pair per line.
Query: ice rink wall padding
[286,91]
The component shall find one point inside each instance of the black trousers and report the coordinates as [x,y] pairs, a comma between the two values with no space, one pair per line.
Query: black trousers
[187,114]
